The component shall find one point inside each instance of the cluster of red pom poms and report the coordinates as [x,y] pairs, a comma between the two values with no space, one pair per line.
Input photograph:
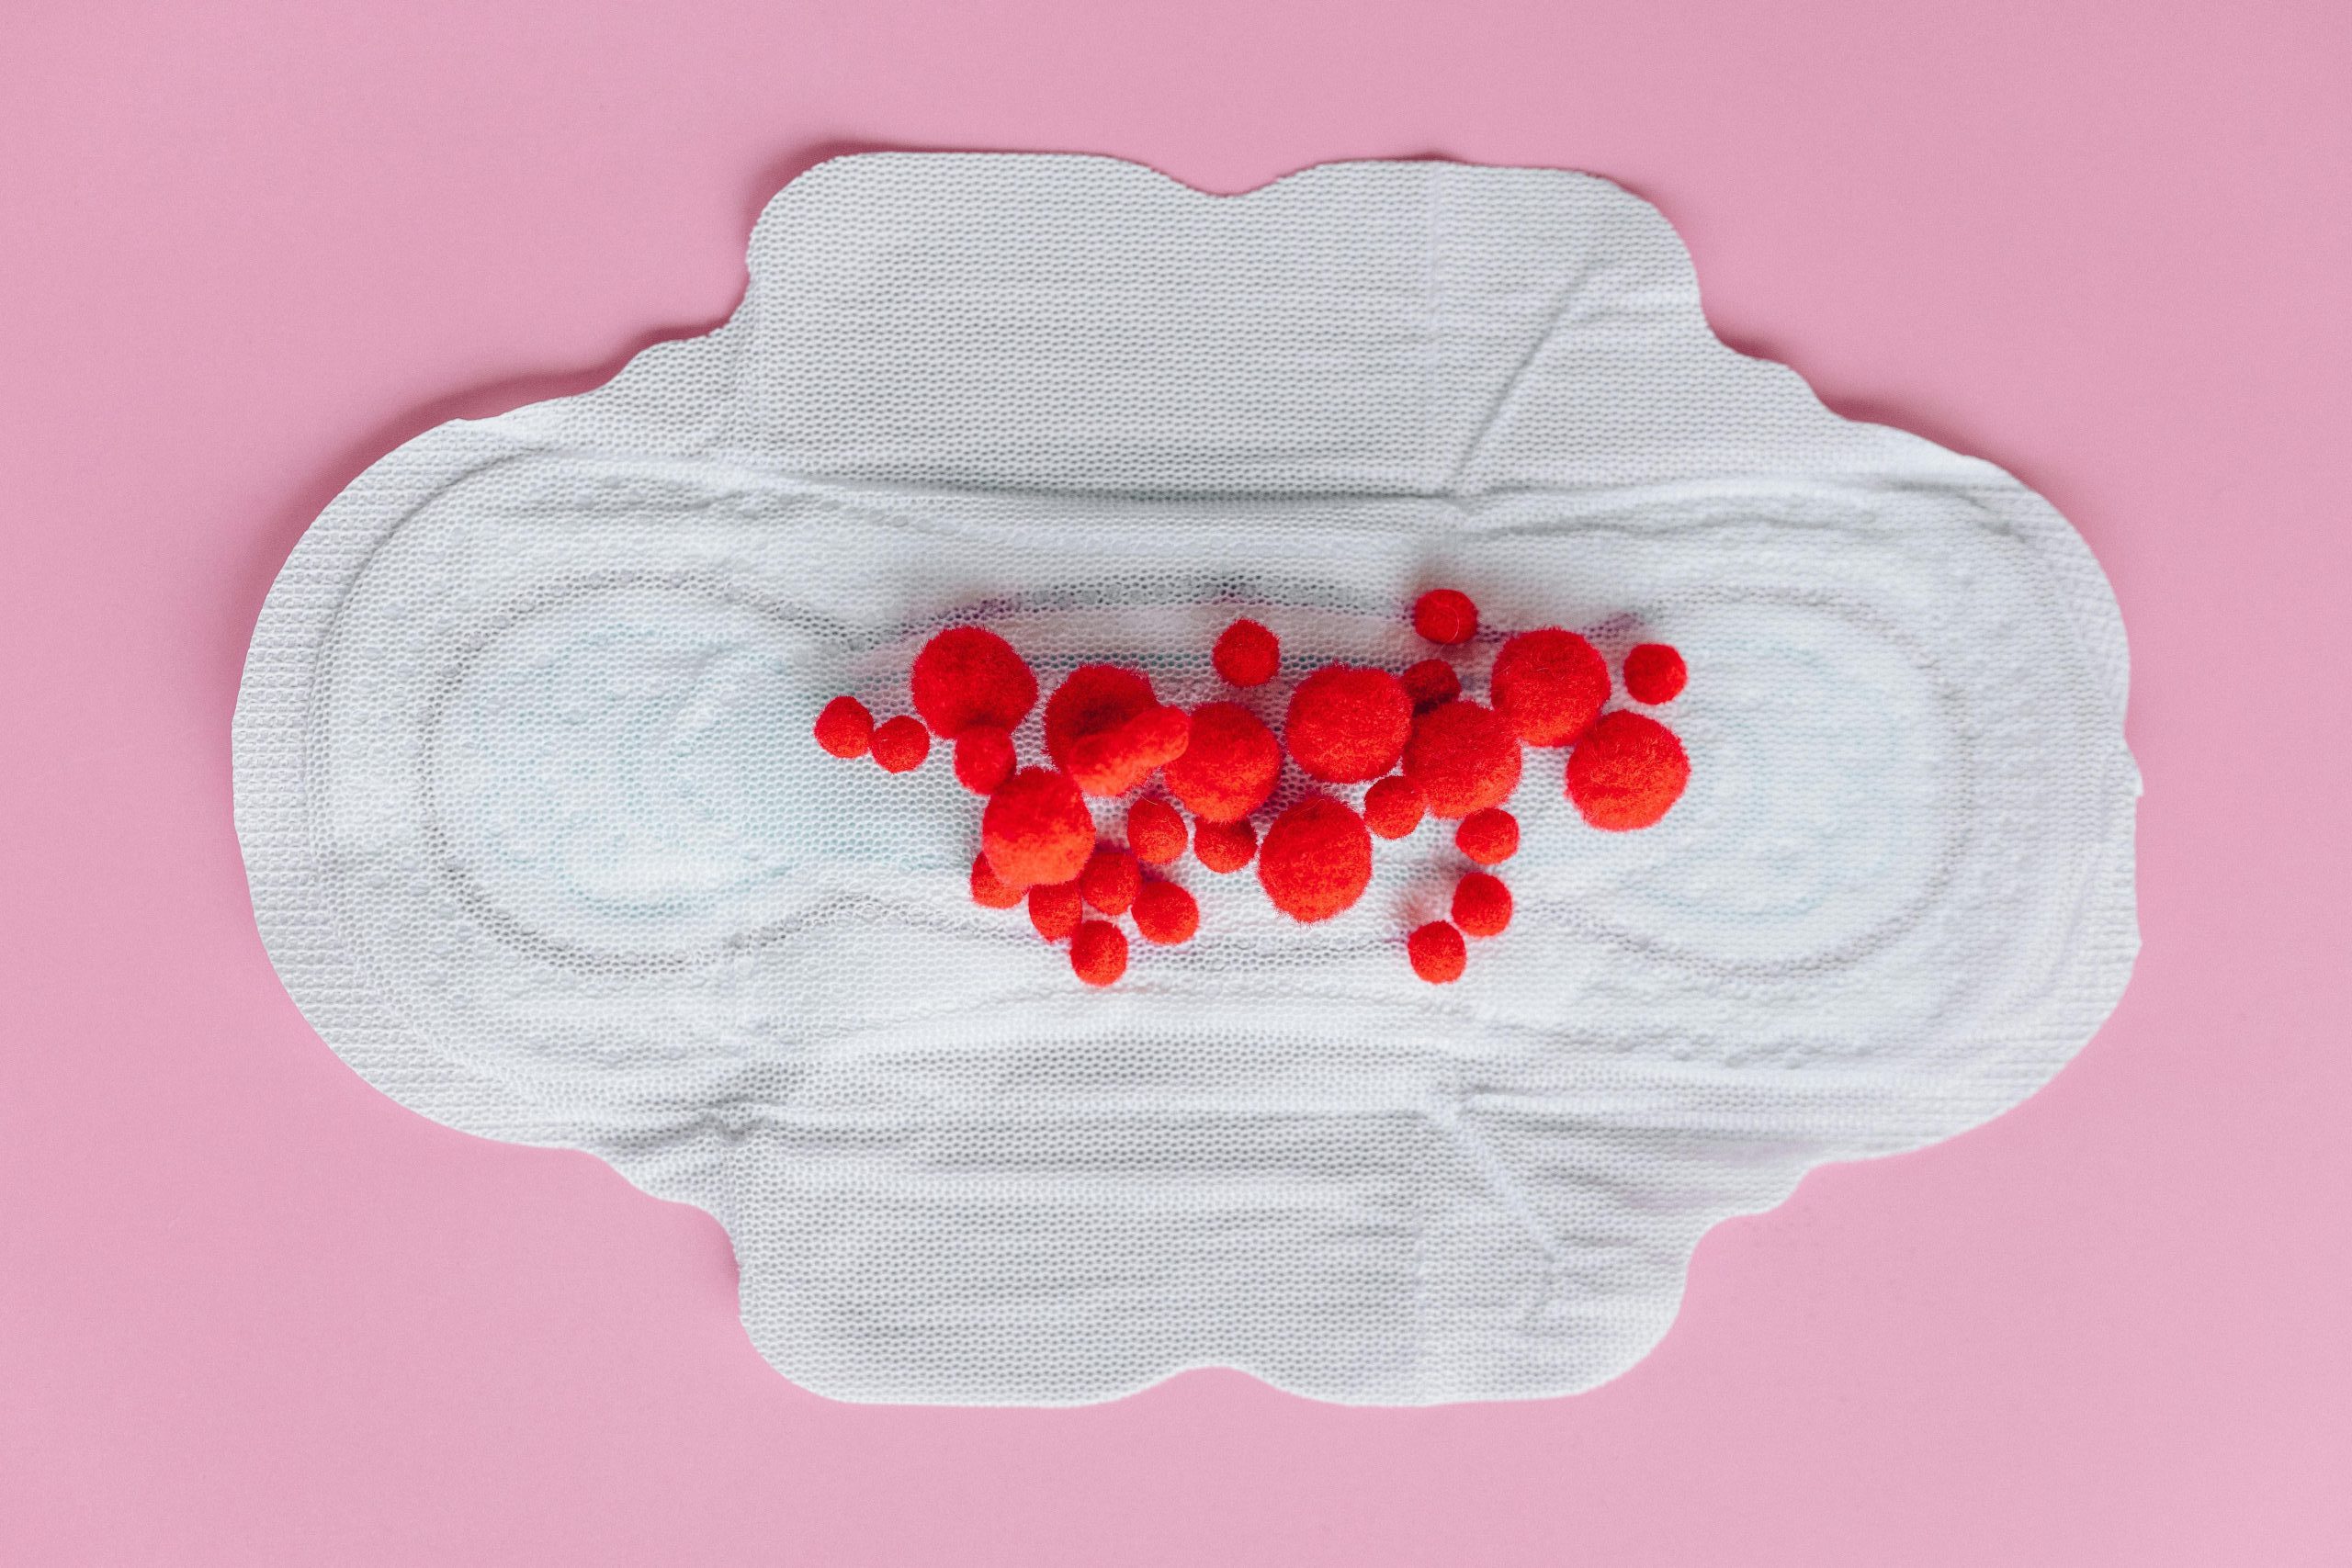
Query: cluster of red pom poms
[1424,750]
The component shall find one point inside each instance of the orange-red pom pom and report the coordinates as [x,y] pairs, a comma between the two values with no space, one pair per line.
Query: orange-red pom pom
[990,891]
[1549,685]
[1464,757]
[1224,846]
[1481,904]
[845,728]
[1105,728]
[1054,909]
[1430,682]
[1489,836]
[1627,772]
[1036,828]
[1437,952]
[1229,765]
[1110,880]
[1446,615]
[1098,955]
[1247,654]
[1155,831]
[1166,914]
[900,744]
[984,758]
[1394,807]
[1316,861]
[1346,725]
[1654,673]
[968,675]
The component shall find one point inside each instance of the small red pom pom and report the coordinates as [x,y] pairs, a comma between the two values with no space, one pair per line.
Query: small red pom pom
[1654,673]
[900,744]
[1247,654]
[1549,685]
[1098,955]
[1229,765]
[1394,807]
[1155,831]
[1318,859]
[1464,757]
[1481,904]
[1489,836]
[984,758]
[1110,880]
[990,891]
[1054,909]
[1445,616]
[968,675]
[1224,846]
[1105,728]
[1346,725]
[1627,772]
[1036,828]
[845,728]
[1430,683]
[1437,952]
[1166,914]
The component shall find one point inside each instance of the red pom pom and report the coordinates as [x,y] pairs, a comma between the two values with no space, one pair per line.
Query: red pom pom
[984,758]
[1430,683]
[1346,725]
[1054,909]
[1437,952]
[1394,807]
[1481,904]
[900,744]
[1155,831]
[1464,757]
[845,728]
[1106,730]
[1229,765]
[1446,615]
[968,675]
[1036,828]
[1627,772]
[1166,914]
[1247,654]
[1318,859]
[1489,836]
[1224,846]
[1654,673]
[1099,954]
[1549,685]
[1110,880]
[990,891]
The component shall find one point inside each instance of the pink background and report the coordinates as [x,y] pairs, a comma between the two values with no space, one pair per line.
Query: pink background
[252,1311]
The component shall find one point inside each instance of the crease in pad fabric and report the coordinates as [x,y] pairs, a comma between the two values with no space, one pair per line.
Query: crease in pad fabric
[540,844]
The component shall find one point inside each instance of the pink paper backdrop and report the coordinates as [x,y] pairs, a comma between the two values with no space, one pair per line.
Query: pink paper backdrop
[252,1312]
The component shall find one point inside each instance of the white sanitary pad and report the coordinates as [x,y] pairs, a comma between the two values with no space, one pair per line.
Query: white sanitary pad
[539,841]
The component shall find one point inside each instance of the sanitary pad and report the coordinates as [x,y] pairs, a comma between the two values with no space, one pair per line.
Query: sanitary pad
[540,841]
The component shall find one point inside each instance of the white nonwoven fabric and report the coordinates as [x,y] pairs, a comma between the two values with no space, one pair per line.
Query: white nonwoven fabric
[538,840]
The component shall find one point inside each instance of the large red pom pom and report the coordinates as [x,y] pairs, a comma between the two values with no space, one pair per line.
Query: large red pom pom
[1430,682]
[1481,904]
[1316,859]
[1105,728]
[1549,685]
[1247,654]
[990,891]
[1098,955]
[845,728]
[1166,914]
[1229,765]
[1627,772]
[1445,616]
[1489,836]
[1394,807]
[1654,673]
[1437,952]
[1110,880]
[984,758]
[1224,846]
[1346,725]
[1155,831]
[1054,909]
[900,744]
[968,675]
[1464,757]
[1036,828]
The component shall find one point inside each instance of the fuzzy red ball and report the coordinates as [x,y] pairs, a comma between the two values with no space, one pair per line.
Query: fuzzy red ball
[1346,725]
[1394,807]
[900,744]
[1627,772]
[1549,685]
[1110,880]
[1465,757]
[984,758]
[1437,952]
[845,728]
[1654,673]
[1481,904]
[1247,654]
[1489,836]
[1155,831]
[1316,859]
[1430,683]
[1036,828]
[1224,846]
[1105,728]
[1054,909]
[1445,616]
[968,675]
[990,891]
[1165,914]
[1229,765]
[1098,953]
